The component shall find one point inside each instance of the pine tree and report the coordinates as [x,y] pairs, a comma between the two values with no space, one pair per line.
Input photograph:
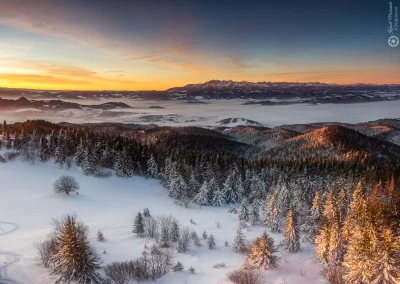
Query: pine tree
[239,242]
[211,242]
[138,226]
[202,198]
[100,236]
[218,198]
[174,233]
[146,212]
[89,162]
[275,221]
[312,224]
[43,149]
[204,235]
[283,196]
[255,211]
[52,143]
[163,238]
[60,151]
[184,240]
[80,154]
[76,259]
[152,167]
[262,254]
[122,165]
[387,261]
[233,188]
[244,211]
[195,238]
[322,241]
[292,235]
[362,245]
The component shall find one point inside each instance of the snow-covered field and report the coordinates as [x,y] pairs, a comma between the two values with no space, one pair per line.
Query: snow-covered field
[179,113]
[28,204]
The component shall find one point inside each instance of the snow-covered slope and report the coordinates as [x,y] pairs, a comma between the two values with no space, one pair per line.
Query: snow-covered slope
[233,122]
[28,204]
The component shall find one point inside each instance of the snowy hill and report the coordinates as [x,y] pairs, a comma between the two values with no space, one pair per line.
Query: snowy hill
[28,204]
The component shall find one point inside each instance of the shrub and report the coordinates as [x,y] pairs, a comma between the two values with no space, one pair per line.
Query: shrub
[47,249]
[243,276]
[66,184]
[152,265]
[178,266]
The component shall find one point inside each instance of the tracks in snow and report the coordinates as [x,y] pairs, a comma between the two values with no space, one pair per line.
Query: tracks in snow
[9,260]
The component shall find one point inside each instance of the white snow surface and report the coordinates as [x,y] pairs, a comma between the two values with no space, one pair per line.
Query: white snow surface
[28,204]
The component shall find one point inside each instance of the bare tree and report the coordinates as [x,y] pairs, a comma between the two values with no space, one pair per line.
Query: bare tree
[152,265]
[66,184]
[150,227]
[47,249]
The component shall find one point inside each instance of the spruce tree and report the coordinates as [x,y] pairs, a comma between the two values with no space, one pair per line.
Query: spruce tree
[138,226]
[195,238]
[262,254]
[292,235]
[255,210]
[202,198]
[211,242]
[233,188]
[76,259]
[204,235]
[387,261]
[362,244]
[313,222]
[244,211]
[218,198]
[184,240]
[275,222]
[146,212]
[163,238]
[174,231]
[239,242]
[80,154]
[43,149]
[152,167]
[100,236]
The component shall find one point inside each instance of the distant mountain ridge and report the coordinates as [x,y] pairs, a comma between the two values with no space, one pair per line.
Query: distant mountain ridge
[261,93]
[23,103]
[229,85]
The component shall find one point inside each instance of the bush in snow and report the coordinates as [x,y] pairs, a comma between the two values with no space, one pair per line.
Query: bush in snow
[192,270]
[244,276]
[66,184]
[204,235]
[178,266]
[120,272]
[151,266]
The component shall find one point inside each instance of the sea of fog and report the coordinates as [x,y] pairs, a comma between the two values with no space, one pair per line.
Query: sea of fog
[208,113]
